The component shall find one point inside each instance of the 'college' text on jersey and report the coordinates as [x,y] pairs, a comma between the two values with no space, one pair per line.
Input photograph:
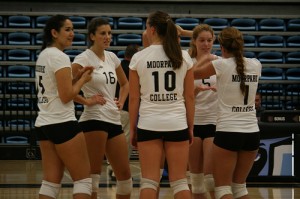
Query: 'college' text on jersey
[242,108]
[163,97]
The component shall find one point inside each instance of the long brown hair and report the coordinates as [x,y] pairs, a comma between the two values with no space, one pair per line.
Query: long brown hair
[231,39]
[167,32]
[92,27]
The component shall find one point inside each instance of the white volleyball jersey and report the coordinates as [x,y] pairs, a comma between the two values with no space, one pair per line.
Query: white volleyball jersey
[51,108]
[236,112]
[206,102]
[104,81]
[162,106]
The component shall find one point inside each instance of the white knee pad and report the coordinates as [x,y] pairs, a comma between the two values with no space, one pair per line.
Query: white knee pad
[124,187]
[149,184]
[197,182]
[222,190]
[239,190]
[50,189]
[179,185]
[209,182]
[83,186]
[188,177]
[95,182]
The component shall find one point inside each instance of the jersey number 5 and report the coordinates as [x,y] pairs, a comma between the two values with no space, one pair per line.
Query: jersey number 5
[40,85]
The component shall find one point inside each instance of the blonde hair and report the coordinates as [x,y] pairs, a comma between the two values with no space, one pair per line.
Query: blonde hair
[196,31]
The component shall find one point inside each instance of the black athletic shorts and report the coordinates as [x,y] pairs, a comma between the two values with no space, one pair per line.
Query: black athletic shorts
[234,141]
[95,125]
[205,131]
[168,136]
[58,133]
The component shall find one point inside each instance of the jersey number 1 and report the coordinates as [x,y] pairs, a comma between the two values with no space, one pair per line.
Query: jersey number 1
[246,94]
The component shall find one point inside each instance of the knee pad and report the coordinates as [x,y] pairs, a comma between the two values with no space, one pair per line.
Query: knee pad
[83,186]
[188,177]
[179,185]
[197,182]
[209,182]
[124,187]
[95,182]
[239,190]
[49,189]
[222,190]
[149,184]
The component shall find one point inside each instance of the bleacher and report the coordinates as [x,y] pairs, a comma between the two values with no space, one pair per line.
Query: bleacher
[275,41]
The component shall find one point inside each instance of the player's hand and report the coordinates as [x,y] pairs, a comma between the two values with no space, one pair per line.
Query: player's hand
[119,105]
[96,99]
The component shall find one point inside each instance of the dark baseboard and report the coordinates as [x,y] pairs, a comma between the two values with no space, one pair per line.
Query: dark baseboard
[19,152]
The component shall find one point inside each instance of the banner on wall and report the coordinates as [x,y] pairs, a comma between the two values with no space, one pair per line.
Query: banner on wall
[274,158]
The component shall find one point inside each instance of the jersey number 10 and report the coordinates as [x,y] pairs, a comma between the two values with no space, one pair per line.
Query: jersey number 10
[169,80]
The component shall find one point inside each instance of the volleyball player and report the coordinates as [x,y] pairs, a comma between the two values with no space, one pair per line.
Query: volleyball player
[61,141]
[237,133]
[101,122]
[162,105]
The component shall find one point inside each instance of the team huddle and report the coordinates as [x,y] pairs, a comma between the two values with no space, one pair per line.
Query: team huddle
[189,108]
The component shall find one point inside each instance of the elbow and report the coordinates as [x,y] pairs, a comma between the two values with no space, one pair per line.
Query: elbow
[126,87]
[65,99]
